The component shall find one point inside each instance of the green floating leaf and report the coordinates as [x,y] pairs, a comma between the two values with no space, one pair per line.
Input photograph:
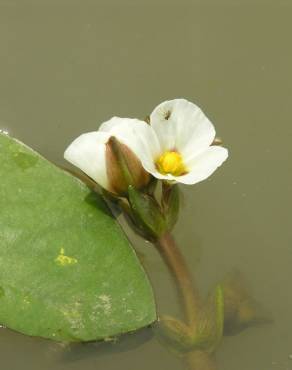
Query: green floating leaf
[67,272]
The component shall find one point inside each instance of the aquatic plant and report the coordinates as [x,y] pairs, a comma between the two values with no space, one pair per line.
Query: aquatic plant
[176,144]
[81,280]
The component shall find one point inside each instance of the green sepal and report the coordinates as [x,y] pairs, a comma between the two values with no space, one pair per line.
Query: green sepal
[170,203]
[146,213]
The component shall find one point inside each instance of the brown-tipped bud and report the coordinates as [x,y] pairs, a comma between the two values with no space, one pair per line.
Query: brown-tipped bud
[123,168]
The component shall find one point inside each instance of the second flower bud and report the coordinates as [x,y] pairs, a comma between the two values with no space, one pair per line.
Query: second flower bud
[123,168]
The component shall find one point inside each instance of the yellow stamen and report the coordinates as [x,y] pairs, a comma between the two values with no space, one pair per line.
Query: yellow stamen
[171,162]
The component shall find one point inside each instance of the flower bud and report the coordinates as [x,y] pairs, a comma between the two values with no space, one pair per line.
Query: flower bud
[145,213]
[111,155]
[123,168]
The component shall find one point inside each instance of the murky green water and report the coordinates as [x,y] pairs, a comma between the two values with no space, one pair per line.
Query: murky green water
[66,66]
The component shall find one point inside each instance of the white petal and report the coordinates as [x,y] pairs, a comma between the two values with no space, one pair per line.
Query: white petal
[111,123]
[203,165]
[87,152]
[136,134]
[182,125]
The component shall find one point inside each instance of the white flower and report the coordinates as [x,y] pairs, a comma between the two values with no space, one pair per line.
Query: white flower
[93,153]
[181,147]
[176,146]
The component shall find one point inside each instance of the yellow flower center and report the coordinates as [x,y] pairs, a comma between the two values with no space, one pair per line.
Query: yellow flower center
[171,162]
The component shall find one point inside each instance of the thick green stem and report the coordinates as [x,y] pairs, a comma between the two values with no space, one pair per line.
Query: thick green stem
[178,268]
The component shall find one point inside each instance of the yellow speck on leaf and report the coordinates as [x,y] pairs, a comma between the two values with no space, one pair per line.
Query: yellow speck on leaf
[26,300]
[63,260]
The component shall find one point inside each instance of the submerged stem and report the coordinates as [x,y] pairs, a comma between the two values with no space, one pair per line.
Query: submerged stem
[178,268]
[201,360]
[192,304]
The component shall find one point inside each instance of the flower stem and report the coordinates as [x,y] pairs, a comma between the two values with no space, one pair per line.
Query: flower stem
[192,304]
[186,288]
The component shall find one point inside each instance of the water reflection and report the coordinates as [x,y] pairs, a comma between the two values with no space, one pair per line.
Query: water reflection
[125,343]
